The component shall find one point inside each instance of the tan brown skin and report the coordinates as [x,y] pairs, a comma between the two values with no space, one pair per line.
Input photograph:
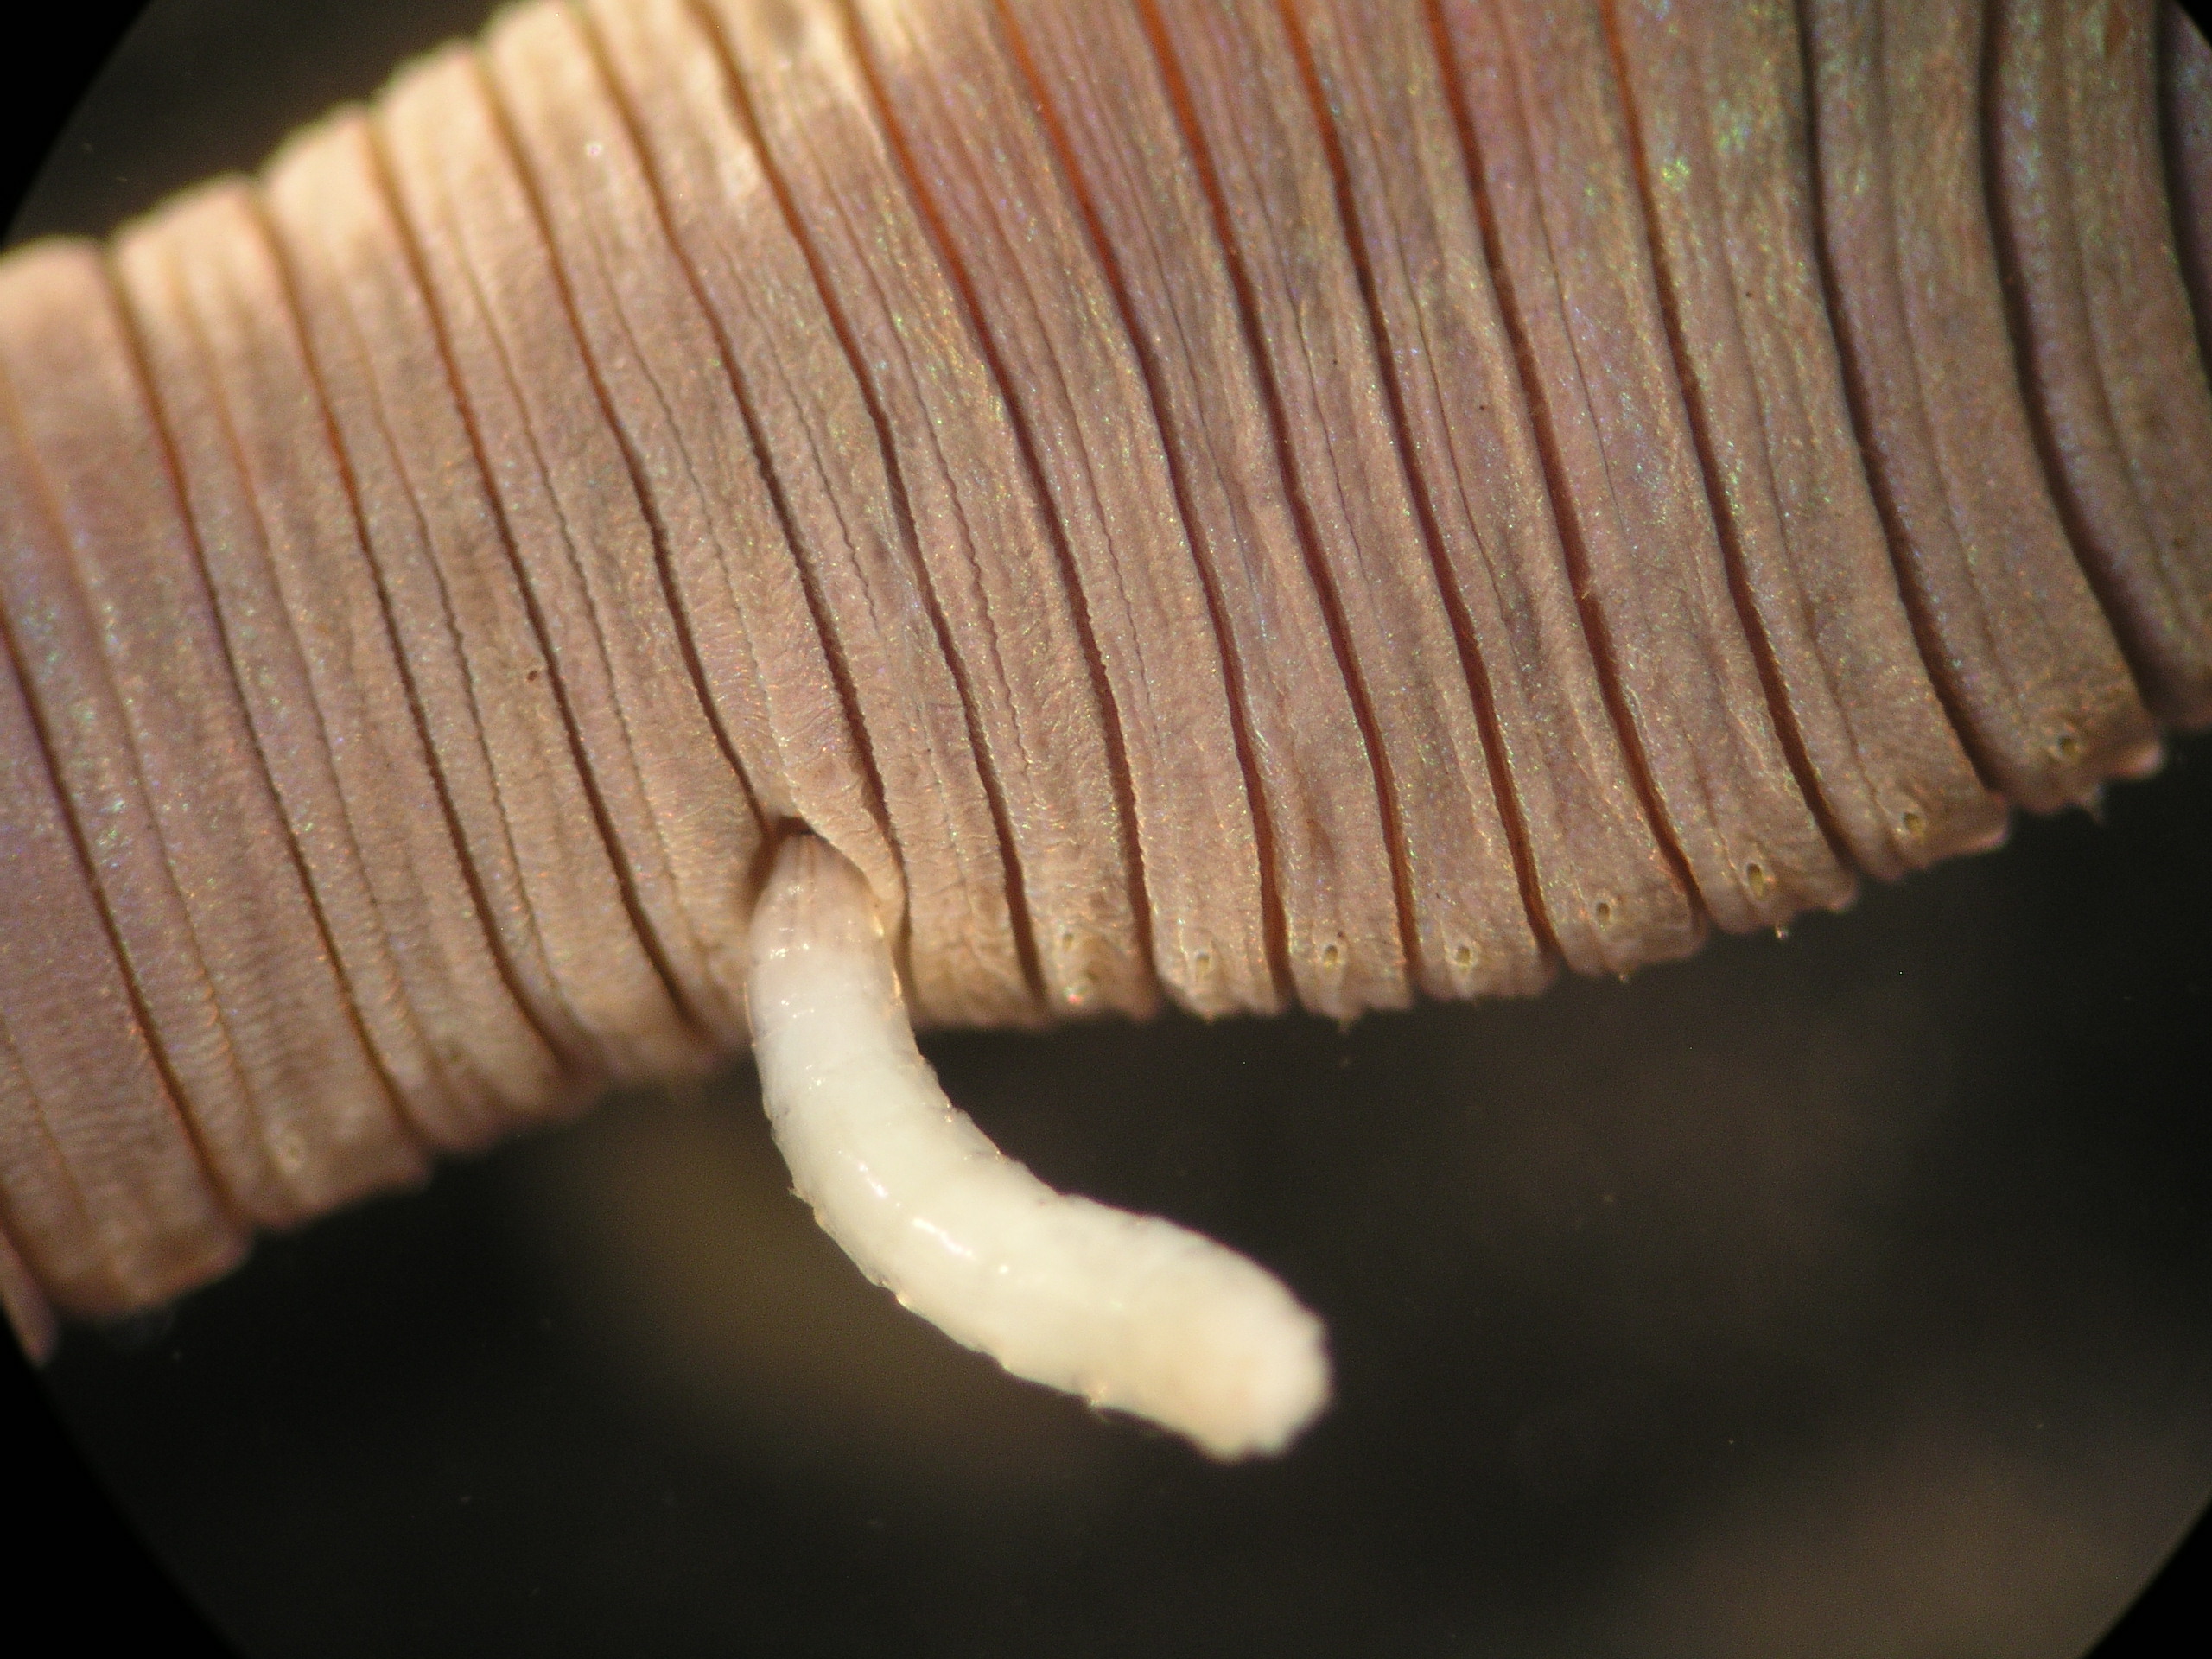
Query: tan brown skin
[1243,502]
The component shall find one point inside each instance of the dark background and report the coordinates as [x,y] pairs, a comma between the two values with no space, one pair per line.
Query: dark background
[1849,1294]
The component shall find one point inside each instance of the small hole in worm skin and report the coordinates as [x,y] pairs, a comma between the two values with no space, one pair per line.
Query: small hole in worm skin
[1202,964]
[1911,825]
[1602,913]
[2066,748]
[1331,954]
[1463,955]
[1755,878]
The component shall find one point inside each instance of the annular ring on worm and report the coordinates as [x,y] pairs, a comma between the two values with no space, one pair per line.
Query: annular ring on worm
[1249,504]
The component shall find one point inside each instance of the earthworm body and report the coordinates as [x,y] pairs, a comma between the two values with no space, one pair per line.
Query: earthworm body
[1249,503]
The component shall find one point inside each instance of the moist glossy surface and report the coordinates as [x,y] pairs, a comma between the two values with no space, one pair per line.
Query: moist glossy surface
[1864,1269]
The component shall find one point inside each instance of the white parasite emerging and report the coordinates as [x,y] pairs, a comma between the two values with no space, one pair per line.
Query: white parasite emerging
[1132,1312]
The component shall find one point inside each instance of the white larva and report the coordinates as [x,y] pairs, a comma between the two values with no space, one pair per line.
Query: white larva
[1131,1312]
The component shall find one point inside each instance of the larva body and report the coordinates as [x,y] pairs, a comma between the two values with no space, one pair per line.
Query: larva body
[1346,502]
[1130,1312]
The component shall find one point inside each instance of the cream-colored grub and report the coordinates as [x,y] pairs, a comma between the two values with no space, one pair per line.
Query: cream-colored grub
[1132,1312]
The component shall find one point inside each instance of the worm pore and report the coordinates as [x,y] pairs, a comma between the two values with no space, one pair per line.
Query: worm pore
[1132,1312]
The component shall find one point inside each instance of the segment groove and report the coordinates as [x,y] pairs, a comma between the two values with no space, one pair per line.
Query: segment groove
[1380,984]
[899,148]
[1379,490]
[1024,936]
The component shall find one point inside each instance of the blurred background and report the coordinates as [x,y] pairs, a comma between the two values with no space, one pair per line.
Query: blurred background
[1848,1294]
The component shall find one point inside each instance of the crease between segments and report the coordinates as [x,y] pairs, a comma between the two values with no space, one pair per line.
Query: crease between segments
[614,1055]
[971,451]
[899,149]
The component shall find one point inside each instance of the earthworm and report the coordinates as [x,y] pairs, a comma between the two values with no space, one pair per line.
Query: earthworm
[1240,503]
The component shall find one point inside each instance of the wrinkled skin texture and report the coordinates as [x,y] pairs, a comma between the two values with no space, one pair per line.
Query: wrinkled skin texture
[1230,503]
[1795,877]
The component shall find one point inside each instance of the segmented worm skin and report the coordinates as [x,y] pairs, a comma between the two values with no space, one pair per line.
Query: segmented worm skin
[1256,503]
